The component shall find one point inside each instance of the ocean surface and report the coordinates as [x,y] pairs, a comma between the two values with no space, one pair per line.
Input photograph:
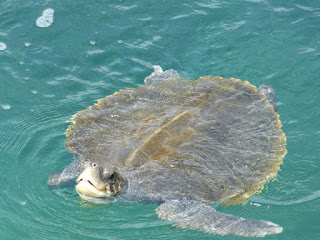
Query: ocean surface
[59,57]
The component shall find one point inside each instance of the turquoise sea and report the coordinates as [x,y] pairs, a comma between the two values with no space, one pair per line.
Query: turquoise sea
[90,49]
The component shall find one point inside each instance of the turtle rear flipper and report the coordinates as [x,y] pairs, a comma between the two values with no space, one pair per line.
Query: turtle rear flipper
[269,93]
[198,216]
[160,75]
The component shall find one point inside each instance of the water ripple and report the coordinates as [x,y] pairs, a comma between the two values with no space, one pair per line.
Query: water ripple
[93,51]
[314,196]
[211,5]
[306,8]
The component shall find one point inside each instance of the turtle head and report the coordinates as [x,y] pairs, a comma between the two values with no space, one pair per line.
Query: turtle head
[95,182]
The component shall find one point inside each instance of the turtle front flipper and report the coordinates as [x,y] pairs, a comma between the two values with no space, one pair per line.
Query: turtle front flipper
[70,172]
[198,216]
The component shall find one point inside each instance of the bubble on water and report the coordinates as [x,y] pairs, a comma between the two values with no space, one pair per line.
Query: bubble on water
[21,63]
[46,19]
[23,203]
[27,44]
[92,42]
[34,91]
[6,107]
[3,46]
[120,41]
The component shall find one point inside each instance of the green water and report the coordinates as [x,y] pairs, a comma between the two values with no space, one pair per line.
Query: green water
[94,48]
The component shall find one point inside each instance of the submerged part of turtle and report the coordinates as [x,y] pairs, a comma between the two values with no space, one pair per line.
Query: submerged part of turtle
[183,144]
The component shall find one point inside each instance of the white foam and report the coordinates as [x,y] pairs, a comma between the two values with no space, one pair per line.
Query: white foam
[3,46]
[27,44]
[46,19]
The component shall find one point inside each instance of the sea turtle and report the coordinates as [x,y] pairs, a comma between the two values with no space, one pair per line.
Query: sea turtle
[183,144]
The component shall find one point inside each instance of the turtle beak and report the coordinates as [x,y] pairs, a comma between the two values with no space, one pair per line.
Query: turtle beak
[91,183]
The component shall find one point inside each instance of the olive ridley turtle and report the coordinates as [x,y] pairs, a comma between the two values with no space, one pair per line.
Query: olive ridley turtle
[184,144]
